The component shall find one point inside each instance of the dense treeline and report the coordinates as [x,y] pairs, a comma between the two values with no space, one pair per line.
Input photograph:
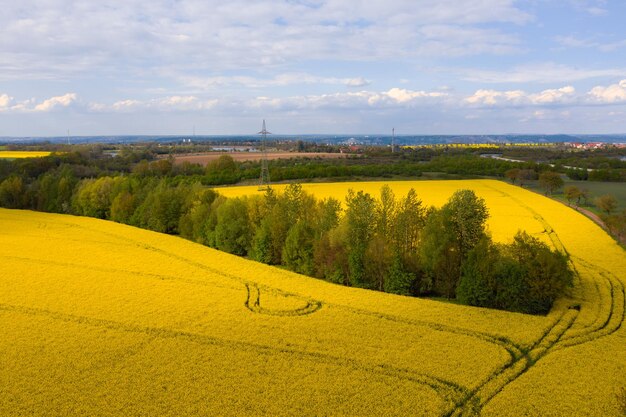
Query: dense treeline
[388,243]
[375,162]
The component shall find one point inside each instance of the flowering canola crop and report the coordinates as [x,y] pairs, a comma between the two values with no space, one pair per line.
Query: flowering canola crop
[23,154]
[99,318]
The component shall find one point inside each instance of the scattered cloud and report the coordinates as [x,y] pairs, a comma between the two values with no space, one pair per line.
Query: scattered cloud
[56,102]
[548,72]
[9,104]
[595,8]
[356,82]
[520,98]
[162,104]
[546,115]
[614,93]
[607,46]
[493,97]
[558,95]
[5,101]
[280,80]
[394,97]
[58,39]
[454,41]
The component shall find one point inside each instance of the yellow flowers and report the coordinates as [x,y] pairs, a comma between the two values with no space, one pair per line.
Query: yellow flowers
[477,145]
[99,318]
[23,154]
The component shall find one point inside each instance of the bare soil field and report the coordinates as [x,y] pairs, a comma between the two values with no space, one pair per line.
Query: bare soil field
[204,158]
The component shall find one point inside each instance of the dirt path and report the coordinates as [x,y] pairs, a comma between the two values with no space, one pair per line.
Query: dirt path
[593,216]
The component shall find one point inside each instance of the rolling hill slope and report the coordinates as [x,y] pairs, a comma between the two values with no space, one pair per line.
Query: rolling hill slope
[99,318]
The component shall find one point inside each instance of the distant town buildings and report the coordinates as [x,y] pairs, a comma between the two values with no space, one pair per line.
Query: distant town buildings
[594,145]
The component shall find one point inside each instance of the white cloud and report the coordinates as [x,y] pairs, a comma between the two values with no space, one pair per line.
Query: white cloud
[614,93]
[546,115]
[454,40]
[162,104]
[59,39]
[55,102]
[597,11]
[494,97]
[5,101]
[9,104]
[401,95]
[356,82]
[558,95]
[541,72]
[520,97]
[124,105]
[394,97]
[280,80]
[603,45]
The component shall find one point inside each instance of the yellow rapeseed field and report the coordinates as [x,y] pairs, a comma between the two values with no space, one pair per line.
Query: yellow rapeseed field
[23,154]
[99,318]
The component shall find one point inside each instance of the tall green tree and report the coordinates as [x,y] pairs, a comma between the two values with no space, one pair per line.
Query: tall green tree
[298,253]
[360,221]
[409,223]
[12,192]
[386,213]
[466,214]
[449,235]
[479,275]
[546,272]
[232,232]
[93,197]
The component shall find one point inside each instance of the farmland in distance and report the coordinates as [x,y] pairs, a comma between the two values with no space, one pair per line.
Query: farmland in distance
[204,158]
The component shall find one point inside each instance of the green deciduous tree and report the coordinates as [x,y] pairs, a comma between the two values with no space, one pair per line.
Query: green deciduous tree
[512,174]
[550,181]
[606,203]
[94,197]
[194,223]
[12,192]
[478,286]
[449,235]
[526,175]
[298,252]
[572,193]
[546,272]
[232,232]
[360,221]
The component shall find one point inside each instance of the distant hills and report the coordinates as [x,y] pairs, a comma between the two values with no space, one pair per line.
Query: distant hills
[371,139]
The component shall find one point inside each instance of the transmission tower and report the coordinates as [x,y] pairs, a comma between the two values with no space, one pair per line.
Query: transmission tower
[393,137]
[264,180]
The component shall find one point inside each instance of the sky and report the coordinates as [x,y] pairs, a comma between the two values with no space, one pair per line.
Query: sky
[168,67]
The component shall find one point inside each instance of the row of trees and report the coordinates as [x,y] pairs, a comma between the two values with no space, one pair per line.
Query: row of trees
[552,181]
[387,243]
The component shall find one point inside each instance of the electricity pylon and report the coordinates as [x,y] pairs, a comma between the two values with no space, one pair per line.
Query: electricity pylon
[264,180]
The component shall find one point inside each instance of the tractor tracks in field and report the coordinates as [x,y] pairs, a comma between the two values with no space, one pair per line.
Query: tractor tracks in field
[253,303]
[487,389]
[564,332]
[450,392]
[612,300]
